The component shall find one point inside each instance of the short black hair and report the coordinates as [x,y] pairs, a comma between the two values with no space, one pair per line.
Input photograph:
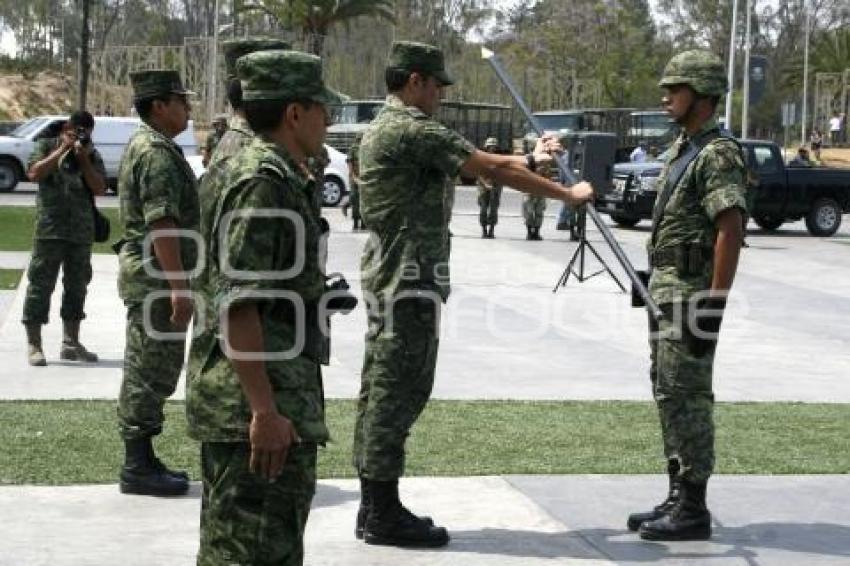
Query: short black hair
[234,93]
[396,78]
[266,115]
[82,119]
[144,106]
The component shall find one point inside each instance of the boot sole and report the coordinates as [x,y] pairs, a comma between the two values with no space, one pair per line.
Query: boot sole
[404,543]
[134,489]
[75,358]
[634,524]
[701,534]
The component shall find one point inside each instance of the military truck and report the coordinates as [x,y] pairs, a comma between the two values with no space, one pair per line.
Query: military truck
[777,193]
[476,121]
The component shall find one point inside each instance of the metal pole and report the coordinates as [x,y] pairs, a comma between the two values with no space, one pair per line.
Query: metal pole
[745,113]
[731,75]
[213,65]
[571,179]
[804,116]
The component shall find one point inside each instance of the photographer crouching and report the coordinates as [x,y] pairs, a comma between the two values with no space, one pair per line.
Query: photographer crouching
[69,171]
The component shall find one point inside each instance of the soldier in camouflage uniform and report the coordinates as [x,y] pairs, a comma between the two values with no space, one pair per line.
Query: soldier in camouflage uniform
[353,160]
[693,251]
[407,163]
[219,128]
[158,196]
[533,208]
[68,173]
[257,411]
[489,195]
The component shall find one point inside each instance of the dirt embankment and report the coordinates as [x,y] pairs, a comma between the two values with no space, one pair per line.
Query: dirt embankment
[836,157]
[24,97]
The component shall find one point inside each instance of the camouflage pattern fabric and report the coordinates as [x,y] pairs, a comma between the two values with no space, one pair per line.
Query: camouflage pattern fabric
[263,176]
[151,370]
[212,142]
[682,375]
[247,520]
[63,203]
[398,376]
[489,196]
[238,135]
[532,210]
[407,164]
[154,182]
[48,256]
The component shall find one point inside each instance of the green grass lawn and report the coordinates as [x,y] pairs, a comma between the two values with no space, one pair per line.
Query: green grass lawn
[9,279]
[65,442]
[17,224]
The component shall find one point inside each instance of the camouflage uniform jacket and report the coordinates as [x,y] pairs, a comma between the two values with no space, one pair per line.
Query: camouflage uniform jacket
[408,162]
[713,182]
[238,135]
[64,209]
[212,142]
[154,182]
[260,201]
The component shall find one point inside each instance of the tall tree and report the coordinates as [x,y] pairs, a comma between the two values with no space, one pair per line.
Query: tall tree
[315,18]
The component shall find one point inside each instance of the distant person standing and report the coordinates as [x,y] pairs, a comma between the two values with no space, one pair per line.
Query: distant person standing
[353,160]
[638,155]
[219,127]
[69,172]
[489,195]
[834,129]
[817,142]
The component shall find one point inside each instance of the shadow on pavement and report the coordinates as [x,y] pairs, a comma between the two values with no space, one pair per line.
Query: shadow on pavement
[331,496]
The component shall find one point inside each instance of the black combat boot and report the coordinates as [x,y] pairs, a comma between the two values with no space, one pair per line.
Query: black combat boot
[144,474]
[390,523]
[363,510]
[484,231]
[636,519]
[490,230]
[529,233]
[536,234]
[688,520]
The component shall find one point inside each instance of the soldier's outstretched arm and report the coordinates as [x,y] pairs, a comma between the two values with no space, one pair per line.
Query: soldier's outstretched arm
[513,170]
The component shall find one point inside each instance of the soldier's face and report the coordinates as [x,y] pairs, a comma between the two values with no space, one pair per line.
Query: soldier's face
[677,100]
[313,125]
[430,92]
[175,113]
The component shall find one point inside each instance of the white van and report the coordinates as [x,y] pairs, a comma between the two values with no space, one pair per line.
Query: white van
[110,137]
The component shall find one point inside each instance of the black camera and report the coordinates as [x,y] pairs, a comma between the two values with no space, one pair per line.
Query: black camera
[83,136]
[69,162]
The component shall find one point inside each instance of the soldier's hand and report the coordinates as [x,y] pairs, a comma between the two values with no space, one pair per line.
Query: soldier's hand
[580,193]
[546,146]
[69,139]
[181,309]
[271,434]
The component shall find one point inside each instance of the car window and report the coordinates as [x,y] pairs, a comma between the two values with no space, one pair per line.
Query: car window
[765,160]
[28,127]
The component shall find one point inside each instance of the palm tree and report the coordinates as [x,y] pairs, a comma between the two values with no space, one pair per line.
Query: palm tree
[315,18]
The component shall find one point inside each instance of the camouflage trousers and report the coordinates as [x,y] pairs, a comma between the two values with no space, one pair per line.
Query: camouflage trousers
[488,205]
[682,388]
[397,379]
[532,210]
[47,257]
[354,201]
[152,367]
[247,520]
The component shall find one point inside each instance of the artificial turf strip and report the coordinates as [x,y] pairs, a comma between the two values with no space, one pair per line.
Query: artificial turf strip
[18,222]
[66,442]
[10,278]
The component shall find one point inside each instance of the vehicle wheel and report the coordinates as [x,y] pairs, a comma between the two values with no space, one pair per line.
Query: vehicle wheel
[625,221]
[10,174]
[768,223]
[824,218]
[332,191]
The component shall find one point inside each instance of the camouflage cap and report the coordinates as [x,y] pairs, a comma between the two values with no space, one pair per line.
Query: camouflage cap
[236,48]
[220,119]
[419,57]
[701,70]
[284,75]
[491,142]
[156,82]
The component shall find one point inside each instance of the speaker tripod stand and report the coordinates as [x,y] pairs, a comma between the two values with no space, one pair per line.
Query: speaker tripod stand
[579,256]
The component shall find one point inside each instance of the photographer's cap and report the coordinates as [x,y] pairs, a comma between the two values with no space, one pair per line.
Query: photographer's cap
[419,57]
[284,75]
[157,82]
[236,48]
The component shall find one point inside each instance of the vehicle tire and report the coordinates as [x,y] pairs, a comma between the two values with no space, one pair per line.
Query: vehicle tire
[824,218]
[332,191]
[625,221]
[10,174]
[768,223]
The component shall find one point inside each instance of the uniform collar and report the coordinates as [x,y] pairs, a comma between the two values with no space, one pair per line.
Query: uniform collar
[394,101]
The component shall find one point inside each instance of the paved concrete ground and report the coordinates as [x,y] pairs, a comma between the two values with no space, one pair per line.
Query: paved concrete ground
[506,335]
[515,520]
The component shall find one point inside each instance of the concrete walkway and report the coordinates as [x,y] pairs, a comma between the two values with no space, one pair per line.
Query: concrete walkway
[515,520]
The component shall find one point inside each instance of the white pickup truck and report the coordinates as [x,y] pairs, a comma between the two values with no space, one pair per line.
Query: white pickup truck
[110,137]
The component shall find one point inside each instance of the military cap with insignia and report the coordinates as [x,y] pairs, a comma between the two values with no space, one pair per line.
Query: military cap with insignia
[157,82]
[236,48]
[419,57]
[284,75]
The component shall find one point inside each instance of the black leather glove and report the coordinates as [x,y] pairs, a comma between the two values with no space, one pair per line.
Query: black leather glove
[342,301]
